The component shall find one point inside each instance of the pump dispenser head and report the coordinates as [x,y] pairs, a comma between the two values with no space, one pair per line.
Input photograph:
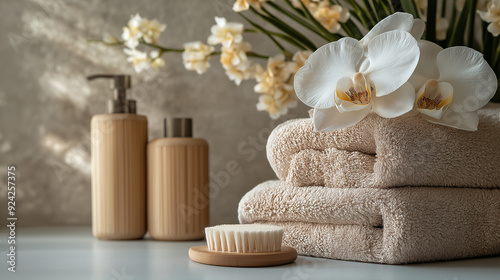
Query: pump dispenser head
[178,127]
[119,84]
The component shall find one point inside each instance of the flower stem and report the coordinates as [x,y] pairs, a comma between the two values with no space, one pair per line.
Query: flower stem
[250,54]
[256,55]
[105,43]
[162,49]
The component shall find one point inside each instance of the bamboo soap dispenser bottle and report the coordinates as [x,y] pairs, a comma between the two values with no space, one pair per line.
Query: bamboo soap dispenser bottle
[178,183]
[118,147]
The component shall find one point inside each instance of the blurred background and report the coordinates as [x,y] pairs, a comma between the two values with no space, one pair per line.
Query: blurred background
[46,103]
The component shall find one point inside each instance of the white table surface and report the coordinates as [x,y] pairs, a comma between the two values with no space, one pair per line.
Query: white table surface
[72,253]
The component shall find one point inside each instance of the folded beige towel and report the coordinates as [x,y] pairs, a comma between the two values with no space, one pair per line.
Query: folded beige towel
[397,225]
[381,153]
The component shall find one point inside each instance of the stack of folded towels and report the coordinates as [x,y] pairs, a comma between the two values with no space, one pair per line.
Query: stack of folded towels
[390,191]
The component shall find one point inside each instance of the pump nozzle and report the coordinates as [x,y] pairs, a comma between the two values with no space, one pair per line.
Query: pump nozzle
[120,84]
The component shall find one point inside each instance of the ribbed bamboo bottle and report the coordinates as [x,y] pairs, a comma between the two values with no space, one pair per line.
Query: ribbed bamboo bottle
[118,143]
[177,184]
[119,176]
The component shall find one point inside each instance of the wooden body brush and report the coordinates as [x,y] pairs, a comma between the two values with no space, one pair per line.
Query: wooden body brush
[243,246]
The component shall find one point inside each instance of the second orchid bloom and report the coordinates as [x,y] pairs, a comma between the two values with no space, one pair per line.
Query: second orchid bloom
[391,73]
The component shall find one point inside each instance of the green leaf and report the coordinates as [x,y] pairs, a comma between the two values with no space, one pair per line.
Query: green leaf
[378,10]
[472,20]
[457,36]
[386,5]
[372,12]
[430,26]
[362,15]
[488,42]
[295,17]
[452,24]
[443,8]
[354,30]
[286,28]
[410,7]
[331,37]
[281,36]
[261,29]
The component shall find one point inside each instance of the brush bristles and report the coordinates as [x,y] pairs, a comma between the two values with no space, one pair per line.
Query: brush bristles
[244,238]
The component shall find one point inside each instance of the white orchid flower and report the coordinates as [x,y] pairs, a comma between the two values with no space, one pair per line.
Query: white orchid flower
[452,85]
[396,21]
[344,80]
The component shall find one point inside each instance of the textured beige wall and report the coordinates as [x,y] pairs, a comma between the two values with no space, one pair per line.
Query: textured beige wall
[46,103]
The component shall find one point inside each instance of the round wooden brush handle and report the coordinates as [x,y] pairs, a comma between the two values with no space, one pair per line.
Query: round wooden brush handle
[201,254]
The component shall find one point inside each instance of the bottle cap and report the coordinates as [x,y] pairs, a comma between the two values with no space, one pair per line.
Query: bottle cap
[119,84]
[178,127]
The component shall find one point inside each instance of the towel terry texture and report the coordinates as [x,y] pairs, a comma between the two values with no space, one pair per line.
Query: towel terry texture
[382,153]
[394,226]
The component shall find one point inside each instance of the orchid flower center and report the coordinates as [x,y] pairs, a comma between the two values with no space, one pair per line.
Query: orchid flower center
[434,98]
[355,91]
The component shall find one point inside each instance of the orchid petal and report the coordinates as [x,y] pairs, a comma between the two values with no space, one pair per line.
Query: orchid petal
[331,119]
[393,57]
[427,68]
[396,21]
[395,104]
[465,121]
[474,82]
[315,82]
[418,28]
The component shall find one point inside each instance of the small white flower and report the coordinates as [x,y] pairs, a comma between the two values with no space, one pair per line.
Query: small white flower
[139,60]
[421,6]
[235,54]
[235,61]
[277,105]
[330,16]
[274,83]
[452,85]
[131,33]
[151,31]
[300,58]
[195,56]
[243,5]
[344,80]
[240,72]
[156,60]
[278,72]
[141,28]
[225,33]
[492,16]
